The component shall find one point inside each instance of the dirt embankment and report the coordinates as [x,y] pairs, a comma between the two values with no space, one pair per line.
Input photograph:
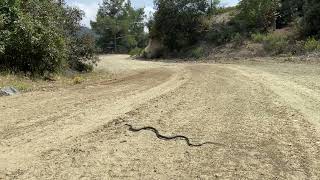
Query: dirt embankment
[263,122]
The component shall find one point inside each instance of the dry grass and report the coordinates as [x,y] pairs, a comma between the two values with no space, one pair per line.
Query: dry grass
[25,84]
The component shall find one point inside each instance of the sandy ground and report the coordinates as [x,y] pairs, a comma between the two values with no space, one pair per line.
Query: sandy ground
[265,119]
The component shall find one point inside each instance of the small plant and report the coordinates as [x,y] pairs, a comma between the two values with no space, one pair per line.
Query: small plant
[296,47]
[258,37]
[83,67]
[221,34]
[197,52]
[18,81]
[312,45]
[238,40]
[21,86]
[77,80]
[275,44]
[136,52]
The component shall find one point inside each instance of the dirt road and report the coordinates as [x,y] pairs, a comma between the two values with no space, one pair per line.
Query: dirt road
[262,119]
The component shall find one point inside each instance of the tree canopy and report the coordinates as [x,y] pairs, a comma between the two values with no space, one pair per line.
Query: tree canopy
[38,36]
[311,18]
[120,27]
[178,23]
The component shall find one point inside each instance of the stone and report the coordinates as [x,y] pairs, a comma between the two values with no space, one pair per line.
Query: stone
[8,91]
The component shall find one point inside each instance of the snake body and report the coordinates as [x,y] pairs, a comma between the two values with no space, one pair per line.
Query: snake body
[148,128]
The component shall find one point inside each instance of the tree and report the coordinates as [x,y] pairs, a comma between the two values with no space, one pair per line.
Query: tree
[311,19]
[178,23]
[213,6]
[258,15]
[288,11]
[40,37]
[119,26]
[31,43]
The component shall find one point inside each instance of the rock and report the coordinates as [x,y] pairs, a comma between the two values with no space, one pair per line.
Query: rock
[8,91]
[154,49]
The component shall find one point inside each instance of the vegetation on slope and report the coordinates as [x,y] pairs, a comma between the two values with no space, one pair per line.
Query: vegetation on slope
[40,37]
[180,25]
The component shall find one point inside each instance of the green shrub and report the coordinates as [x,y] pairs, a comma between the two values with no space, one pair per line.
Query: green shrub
[77,80]
[238,40]
[136,52]
[311,18]
[197,53]
[29,45]
[275,44]
[312,45]
[257,15]
[41,37]
[179,23]
[258,37]
[81,57]
[221,34]
[82,66]
[296,47]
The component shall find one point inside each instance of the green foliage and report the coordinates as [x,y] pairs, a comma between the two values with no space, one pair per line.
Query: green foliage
[312,45]
[275,44]
[257,15]
[82,53]
[77,80]
[197,52]
[238,40]
[178,23]
[272,43]
[38,37]
[30,45]
[120,27]
[221,10]
[289,11]
[136,52]
[221,34]
[213,6]
[258,37]
[311,19]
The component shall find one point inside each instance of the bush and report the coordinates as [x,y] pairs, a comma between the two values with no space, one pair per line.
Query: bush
[258,15]
[288,11]
[221,34]
[312,45]
[311,19]
[40,37]
[136,52]
[238,40]
[197,53]
[77,80]
[81,55]
[29,45]
[179,23]
[275,44]
[296,47]
[258,37]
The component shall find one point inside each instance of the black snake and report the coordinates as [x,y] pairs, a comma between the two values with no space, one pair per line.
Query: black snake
[148,128]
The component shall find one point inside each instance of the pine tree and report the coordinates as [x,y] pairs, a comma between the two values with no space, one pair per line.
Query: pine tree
[119,26]
[311,23]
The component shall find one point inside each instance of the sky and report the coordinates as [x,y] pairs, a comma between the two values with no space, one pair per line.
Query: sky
[90,7]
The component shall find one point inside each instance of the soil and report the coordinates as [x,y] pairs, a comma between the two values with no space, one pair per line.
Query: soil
[263,120]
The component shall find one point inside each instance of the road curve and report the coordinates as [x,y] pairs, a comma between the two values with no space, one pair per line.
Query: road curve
[265,124]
